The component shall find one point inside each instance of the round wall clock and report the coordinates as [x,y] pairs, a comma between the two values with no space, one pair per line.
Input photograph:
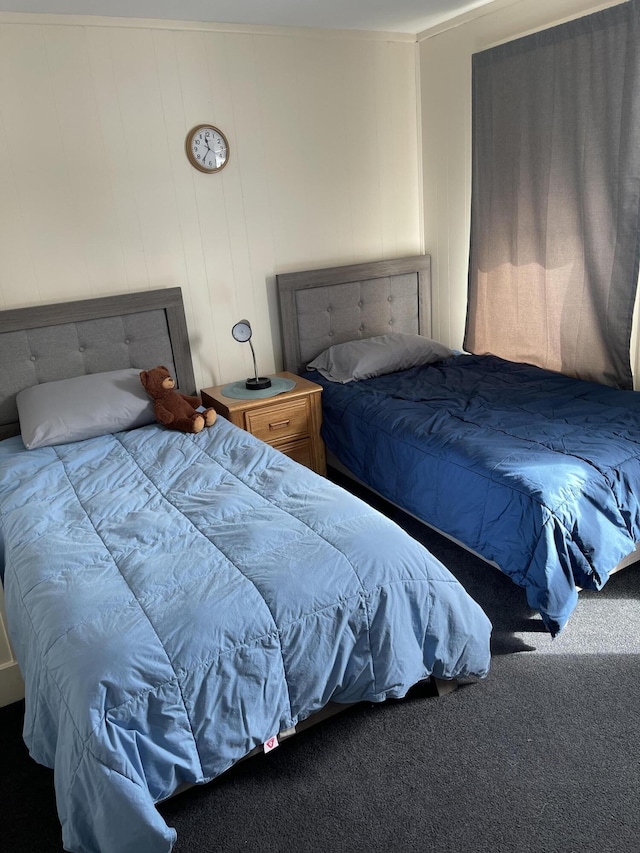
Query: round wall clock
[207,148]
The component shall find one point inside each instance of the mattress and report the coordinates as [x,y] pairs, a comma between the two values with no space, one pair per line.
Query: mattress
[536,472]
[176,600]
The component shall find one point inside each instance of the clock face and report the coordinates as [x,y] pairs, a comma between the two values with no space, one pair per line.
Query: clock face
[207,148]
[241,331]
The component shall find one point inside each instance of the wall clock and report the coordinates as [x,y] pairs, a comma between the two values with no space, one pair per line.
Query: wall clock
[207,148]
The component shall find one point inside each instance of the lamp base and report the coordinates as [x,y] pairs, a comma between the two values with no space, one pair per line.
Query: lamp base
[258,383]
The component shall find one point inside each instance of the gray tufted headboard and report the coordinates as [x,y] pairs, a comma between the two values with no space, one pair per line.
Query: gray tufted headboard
[319,308]
[48,342]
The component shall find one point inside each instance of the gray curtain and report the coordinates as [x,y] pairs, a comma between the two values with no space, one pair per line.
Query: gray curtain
[555,213]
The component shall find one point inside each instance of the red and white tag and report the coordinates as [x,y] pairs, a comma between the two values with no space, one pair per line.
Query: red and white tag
[270,744]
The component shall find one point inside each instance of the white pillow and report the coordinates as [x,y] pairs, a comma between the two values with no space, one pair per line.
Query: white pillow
[83,407]
[368,357]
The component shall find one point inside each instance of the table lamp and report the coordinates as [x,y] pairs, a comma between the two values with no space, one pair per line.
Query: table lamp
[242,333]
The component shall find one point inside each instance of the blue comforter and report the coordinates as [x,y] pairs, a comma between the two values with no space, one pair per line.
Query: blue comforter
[175,601]
[536,472]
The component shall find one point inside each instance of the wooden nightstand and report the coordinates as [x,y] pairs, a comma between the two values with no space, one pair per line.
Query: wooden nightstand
[289,421]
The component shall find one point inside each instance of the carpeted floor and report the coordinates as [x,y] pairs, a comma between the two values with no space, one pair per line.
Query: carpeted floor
[541,757]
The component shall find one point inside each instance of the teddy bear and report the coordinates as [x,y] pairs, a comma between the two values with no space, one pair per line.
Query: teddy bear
[172,409]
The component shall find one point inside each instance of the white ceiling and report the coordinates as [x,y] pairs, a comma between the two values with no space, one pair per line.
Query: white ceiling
[403,16]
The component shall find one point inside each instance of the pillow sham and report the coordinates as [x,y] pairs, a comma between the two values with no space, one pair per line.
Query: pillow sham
[369,357]
[82,407]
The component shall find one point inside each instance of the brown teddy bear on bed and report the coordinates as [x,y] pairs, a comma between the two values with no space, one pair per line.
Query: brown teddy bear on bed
[172,409]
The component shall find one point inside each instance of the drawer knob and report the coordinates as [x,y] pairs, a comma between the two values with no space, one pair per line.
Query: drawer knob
[279,424]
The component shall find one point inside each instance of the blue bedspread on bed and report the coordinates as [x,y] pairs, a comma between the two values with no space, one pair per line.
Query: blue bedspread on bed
[533,470]
[176,600]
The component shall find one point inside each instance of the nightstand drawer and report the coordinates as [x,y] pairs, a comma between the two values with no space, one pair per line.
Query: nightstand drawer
[300,451]
[279,422]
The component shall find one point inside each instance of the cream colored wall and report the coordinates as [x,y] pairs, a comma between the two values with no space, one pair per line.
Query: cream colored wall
[445,87]
[97,196]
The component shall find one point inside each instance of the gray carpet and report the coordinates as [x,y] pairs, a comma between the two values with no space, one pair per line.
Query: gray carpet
[541,757]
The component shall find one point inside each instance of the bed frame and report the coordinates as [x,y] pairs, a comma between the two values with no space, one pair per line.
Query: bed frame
[319,308]
[45,343]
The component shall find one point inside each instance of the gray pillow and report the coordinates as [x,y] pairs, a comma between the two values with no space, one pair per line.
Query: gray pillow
[83,407]
[368,357]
